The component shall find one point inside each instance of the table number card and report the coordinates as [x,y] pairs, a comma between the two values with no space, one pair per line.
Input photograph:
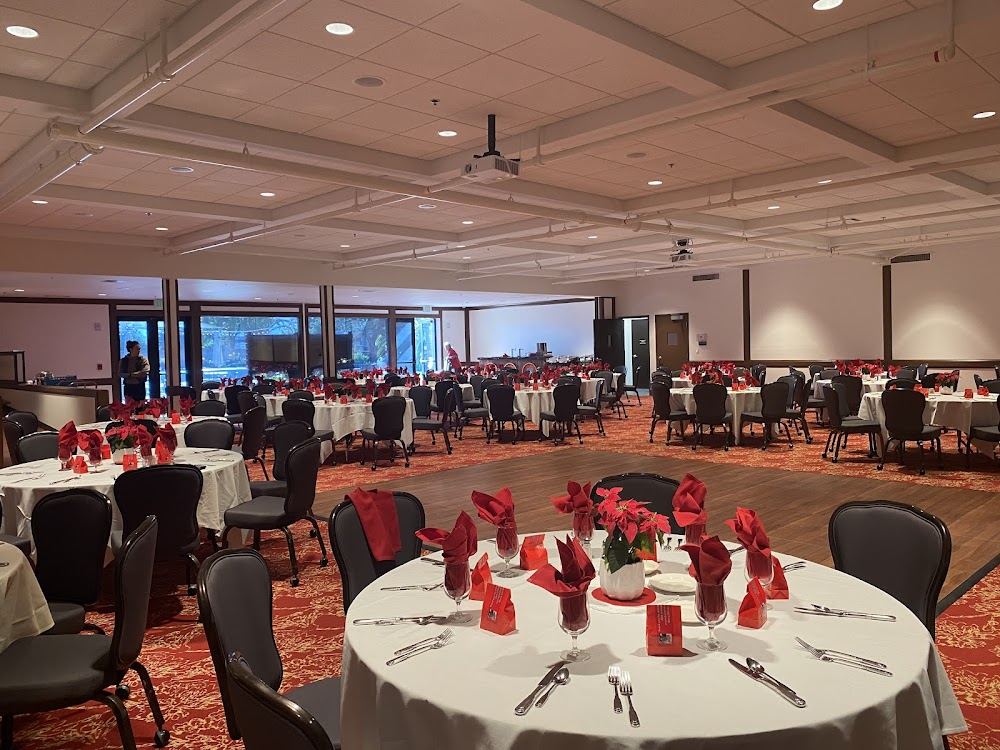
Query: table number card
[482,578]
[175,417]
[533,553]
[498,611]
[779,584]
[663,630]
[753,608]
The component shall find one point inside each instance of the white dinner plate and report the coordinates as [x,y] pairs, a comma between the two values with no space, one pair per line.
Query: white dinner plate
[673,583]
[688,617]
[649,567]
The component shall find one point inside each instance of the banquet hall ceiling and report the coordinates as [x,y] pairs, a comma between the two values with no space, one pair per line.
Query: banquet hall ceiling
[761,130]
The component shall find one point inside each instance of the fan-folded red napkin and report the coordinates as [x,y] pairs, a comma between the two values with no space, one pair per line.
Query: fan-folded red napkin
[187,403]
[497,510]
[152,411]
[578,502]
[779,584]
[750,533]
[377,512]
[329,391]
[119,410]
[382,391]
[710,561]
[569,583]
[482,578]
[689,501]
[144,441]
[459,545]
[370,386]
[90,443]
[984,391]
[67,440]
[167,437]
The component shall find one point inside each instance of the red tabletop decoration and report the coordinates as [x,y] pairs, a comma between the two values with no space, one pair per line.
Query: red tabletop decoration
[482,578]
[166,437]
[498,610]
[663,630]
[67,441]
[689,508]
[379,520]
[569,583]
[459,545]
[90,442]
[753,608]
[779,584]
[144,441]
[750,533]
[533,552]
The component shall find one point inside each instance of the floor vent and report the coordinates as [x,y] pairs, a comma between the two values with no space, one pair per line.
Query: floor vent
[705,277]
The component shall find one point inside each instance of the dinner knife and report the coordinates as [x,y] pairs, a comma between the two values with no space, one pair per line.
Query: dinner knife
[524,706]
[783,690]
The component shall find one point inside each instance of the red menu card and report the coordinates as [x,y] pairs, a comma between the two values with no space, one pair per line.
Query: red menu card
[498,611]
[533,552]
[482,578]
[753,608]
[663,630]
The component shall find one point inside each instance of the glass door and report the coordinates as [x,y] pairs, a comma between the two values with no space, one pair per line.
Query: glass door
[148,331]
[416,344]
[404,345]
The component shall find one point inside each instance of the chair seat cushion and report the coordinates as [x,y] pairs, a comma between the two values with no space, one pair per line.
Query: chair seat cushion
[235,418]
[859,425]
[264,512]
[322,700]
[476,413]
[547,416]
[816,403]
[369,434]
[68,618]
[728,418]
[752,416]
[474,403]
[587,410]
[42,674]
[325,435]
[515,417]
[273,487]
[427,423]
[679,416]
[17,541]
[986,433]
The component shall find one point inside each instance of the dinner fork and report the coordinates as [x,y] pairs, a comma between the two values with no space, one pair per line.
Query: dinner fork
[793,566]
[414,587]
[821,652]
[626,682]
[442,640]
[614,675]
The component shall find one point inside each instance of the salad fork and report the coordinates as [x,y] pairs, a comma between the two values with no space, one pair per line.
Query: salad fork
[842,657]
[414,587]
[626,682]
[442,640]
[614,675]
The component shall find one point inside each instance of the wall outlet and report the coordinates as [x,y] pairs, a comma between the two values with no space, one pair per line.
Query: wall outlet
[97,326]
[100,366]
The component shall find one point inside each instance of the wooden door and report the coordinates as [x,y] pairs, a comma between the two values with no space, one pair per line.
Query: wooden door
[672,341]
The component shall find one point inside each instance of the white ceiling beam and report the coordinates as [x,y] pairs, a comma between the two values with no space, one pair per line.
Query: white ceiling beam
[894,235]
[833,213]
[392,230]
[41,98]
[961,184]
[846,139]
[76,235]
[162,204]
[963,145]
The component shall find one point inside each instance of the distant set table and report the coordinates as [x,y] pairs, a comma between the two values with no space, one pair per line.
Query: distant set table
[343,419]
[178,428]
[23,609]
[873,385]
[954,412]
[468,392]
[226,485]
[682,399]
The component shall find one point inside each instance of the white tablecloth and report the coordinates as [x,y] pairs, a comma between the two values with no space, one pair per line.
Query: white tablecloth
[953,412]
[468,392]
[682,399]
[178,428]
[462,696]
[226,484]
[23,610]
[871,386]
[531,404]
[344,419]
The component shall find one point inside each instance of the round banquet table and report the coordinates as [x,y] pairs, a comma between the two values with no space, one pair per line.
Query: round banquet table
[872,385]
[462,696]
[226,485]
[23,609]
[161,422]
[468,392]
[736,403]
[344,419]
[954,412]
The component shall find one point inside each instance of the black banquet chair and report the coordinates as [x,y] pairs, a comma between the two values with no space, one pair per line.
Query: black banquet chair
[285,437]
[12,434]
[711,404]
[663,411]
[841,427]
[71,530]
[208,408]
[564,413]
[654,490]
[210,433]
[357,566]
[773,412]
[502,410]
[425,420]
[233,412]
[235,602]
[593,408]
[904,421]
[389,413]
[59,671]
[273,513]
[898,548]
[171,493]
[252,442]
[300,410]
[37,446]
[990,434]
[628,389]
[27,420]
[22,543]
[103,413]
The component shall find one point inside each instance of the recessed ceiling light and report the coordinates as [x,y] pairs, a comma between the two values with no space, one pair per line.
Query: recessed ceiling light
[468,221]
[18,290]
[267,195]
[257,299]
[340,29]
[635,154]
[427,206]
[181,170]
[654,183]
[460,247]
[163,229]
[82,213]
[40,203]
[345,245]
[645,270]
[827,4]
[369,82]
[983,115]
[22,32]
[825,182]
[466,257]
[355,296]
[447,133]
[773,208]
[101,294]
[591,236]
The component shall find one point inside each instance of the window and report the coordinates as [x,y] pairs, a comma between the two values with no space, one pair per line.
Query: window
[236,345]
[416,344]
[369,342]
[314,346]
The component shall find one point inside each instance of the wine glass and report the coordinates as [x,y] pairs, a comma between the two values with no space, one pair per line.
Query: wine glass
[574,618]
[457,585]
[761,567]
[507,547]
[693,533]
[710,608]
[583,528]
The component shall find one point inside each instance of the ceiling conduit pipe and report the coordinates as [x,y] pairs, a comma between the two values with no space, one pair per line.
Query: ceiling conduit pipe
[77,154]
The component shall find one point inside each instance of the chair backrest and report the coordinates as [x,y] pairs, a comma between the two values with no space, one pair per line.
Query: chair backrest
[208,408]
[350,547]
[441,388]
[710,402]
[301,470]
[234,600]
[210,385]
[266,719]
[302,394]
[103,413]
[793,371]
[246,401]
[658,377]
[490,382]
[264,389]
[501,402]
[210,433]
[828,373]
[599,393]
[907,373]
[38,445]
[922,371]
[759,373]
[232,393]
[834,406]
[792,381]
[299,410]
[898,548]
[389,412]
[904,413]
[901,383]
[660,392]
[171,493]
[70,531]
[27,420]
[774,400]
[476,381]
[854,389]
[815,370]
[12,433]
[254,424]
[566,398]
[133,579]
[608,377]
[286,436]
[654,490]
[421,396]
[993,386]
[928,381]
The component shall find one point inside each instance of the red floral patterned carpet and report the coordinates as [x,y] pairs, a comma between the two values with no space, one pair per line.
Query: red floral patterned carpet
[309,619]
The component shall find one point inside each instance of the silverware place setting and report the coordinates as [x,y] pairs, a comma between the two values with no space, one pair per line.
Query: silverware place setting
[842,657]
[416,620]
[817,609]
[755,671]
[625,682]
[432,561]
[793,566]
[561,678]
[429,644]
[524,706]
[414,587]
[614,677]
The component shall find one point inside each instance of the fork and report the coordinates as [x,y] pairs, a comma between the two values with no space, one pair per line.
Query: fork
[442,640]
[614,675]
[839,655]
[793,566]
[431,561]
[626,682]
[414,587]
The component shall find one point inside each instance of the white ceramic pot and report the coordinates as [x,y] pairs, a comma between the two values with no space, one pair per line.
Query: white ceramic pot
[947,390]
[625,584]
[118,455]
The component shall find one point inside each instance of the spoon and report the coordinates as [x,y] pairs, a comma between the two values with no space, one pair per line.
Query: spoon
[790,695]
[561,678]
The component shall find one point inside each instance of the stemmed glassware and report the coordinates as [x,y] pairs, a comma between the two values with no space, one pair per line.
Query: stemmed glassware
[583,528]
[710,608]
[574,618]
[760,567]
[507,547]
[458,585]
[693,533]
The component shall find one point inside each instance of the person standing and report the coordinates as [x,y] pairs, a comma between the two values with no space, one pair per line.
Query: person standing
[454,361]
[133,369]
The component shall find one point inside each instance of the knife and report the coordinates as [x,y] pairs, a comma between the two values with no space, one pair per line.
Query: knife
[783,690]
[524,706]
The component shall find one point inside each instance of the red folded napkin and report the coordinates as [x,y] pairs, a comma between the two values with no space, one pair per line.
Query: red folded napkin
[119,410]
[779,584]
[144,441]
[377,513]
[90,443]
[482,578]
[576,574]
[67,440]
[382,391]
[498,510]
[459,545]
[689,501]
[186,405]
[370,386]
[533,552]
[710,561]
[577,499]
[167,437]
[329,391]
[984,391]
[750,533]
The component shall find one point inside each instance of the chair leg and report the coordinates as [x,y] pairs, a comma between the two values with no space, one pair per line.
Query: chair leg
[191,564]
[920,445]
[259,460]
[291,554]
[323,562]
[162,736]
[7,732]
[805,429]
[256,539]
[577,426]
[121,718]
[213,539]
[225,536]
[836,452]
[826,448]
[406,454]
[940,464]
[653,427]
[447,442]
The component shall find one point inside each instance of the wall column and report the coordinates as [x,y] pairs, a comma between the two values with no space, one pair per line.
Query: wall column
[171,333]
[887,313]
[329,328]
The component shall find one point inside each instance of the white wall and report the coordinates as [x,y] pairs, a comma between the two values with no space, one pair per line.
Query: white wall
[453,331]
[62,339]
[714,308]
[567,328]
[816,310]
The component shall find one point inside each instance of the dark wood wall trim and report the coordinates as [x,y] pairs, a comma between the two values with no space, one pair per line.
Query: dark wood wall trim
[934,364]
[746,314]
[887,312]
[468,338]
